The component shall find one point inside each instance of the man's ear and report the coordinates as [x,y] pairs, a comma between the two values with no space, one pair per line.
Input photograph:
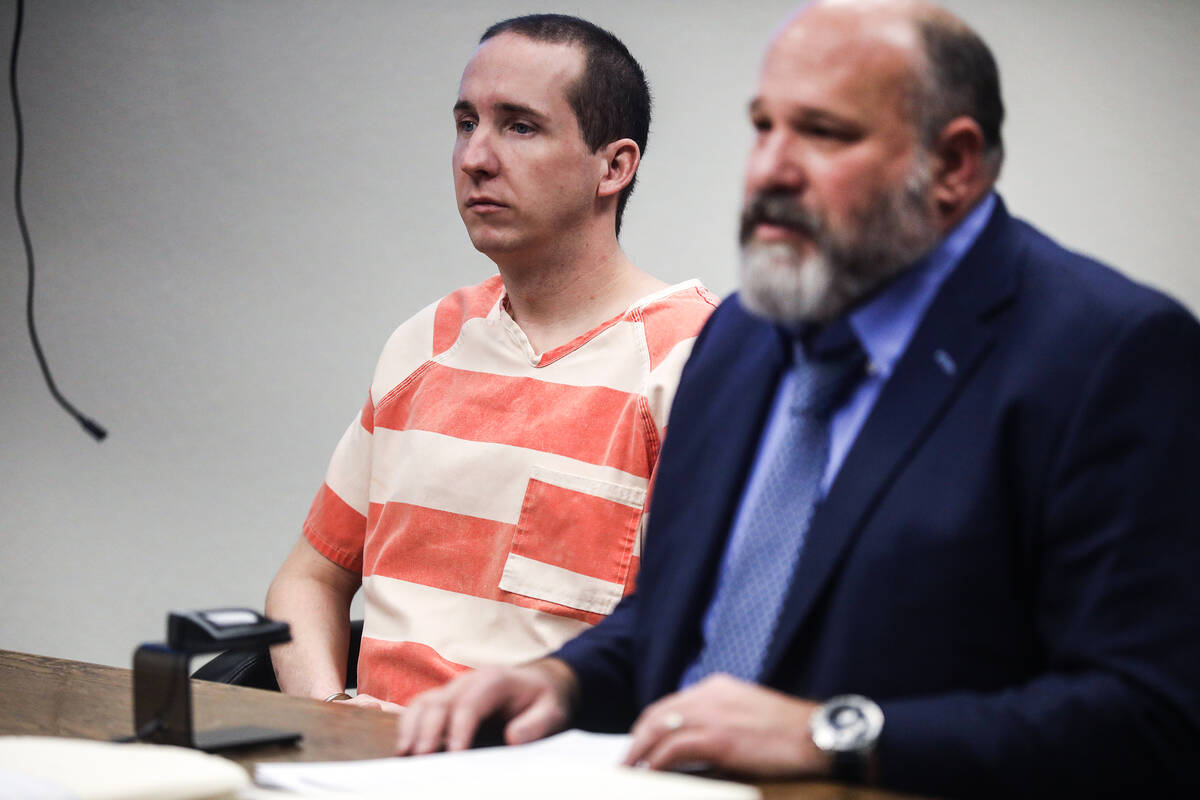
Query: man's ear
[621,159]
[960,176]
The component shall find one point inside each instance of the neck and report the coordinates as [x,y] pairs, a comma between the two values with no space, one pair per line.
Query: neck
[561,295]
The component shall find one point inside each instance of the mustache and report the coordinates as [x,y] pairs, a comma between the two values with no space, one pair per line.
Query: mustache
[777,207]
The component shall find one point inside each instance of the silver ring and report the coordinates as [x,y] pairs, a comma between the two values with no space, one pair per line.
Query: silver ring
[672,720]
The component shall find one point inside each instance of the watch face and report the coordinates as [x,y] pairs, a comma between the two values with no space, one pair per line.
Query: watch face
[850,723]
[847,723]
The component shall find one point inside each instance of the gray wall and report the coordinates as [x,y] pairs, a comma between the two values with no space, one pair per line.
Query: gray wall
[233,204]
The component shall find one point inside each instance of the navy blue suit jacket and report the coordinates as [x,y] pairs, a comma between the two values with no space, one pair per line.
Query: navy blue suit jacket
[1008,560]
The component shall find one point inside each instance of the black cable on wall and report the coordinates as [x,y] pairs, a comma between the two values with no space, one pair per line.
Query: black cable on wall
[90,425]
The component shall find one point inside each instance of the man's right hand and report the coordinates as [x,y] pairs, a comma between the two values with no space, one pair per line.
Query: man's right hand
[534,700]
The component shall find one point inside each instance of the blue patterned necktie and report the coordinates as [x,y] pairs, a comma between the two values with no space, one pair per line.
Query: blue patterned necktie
[754,578]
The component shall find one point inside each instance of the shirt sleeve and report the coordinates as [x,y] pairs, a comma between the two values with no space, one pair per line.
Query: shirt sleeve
[337,521]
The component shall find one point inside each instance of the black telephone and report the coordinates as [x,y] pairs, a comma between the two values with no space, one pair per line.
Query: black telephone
[216,629]
[162,696]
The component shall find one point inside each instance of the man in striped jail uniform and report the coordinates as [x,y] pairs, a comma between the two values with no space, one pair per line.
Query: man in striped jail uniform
[489,496]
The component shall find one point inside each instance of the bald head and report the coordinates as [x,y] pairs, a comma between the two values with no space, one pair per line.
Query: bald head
[953,73]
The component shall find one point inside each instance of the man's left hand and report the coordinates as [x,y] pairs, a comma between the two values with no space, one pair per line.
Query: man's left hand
[730,725]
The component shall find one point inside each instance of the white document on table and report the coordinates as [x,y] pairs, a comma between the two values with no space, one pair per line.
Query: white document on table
[53,768]
[571,764]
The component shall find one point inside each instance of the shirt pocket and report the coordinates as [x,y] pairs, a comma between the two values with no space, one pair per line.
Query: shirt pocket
[574,540]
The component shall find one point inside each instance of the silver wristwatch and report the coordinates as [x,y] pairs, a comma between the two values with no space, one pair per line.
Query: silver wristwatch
[848,727]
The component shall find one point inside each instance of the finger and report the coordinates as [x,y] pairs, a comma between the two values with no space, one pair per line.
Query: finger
[480,699]
[431,729]
[689,748]
[638,747]
[389,707]
[543,717]
[480,695]
[409,725]
[657,720]
[647,730]
[363,702]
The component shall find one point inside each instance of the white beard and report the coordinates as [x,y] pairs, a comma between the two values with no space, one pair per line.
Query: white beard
[780,284]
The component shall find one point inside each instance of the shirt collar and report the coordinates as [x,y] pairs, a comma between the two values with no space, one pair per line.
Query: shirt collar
[886,322]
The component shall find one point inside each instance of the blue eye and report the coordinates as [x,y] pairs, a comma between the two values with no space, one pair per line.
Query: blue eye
[467,125]
[522,128]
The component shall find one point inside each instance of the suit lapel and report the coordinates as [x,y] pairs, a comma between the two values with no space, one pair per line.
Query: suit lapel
[951,341]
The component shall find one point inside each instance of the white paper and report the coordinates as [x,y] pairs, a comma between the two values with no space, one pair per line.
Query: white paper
[574,763]
[89,770]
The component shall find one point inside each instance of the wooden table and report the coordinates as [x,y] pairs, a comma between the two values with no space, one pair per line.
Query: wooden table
[57,697]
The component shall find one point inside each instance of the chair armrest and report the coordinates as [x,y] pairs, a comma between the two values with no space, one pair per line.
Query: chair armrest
[253,667]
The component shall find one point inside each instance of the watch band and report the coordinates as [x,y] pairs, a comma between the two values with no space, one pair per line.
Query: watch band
[851,766]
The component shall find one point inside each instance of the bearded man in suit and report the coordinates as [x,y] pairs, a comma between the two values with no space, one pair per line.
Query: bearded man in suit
[926,514]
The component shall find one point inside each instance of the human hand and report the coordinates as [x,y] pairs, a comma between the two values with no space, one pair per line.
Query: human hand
[367,701]
[732,725]
[534,699]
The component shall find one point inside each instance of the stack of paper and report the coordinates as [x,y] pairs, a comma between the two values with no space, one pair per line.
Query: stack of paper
[583,766]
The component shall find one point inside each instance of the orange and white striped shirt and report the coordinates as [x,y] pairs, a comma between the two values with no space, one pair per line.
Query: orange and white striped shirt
[490,496]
